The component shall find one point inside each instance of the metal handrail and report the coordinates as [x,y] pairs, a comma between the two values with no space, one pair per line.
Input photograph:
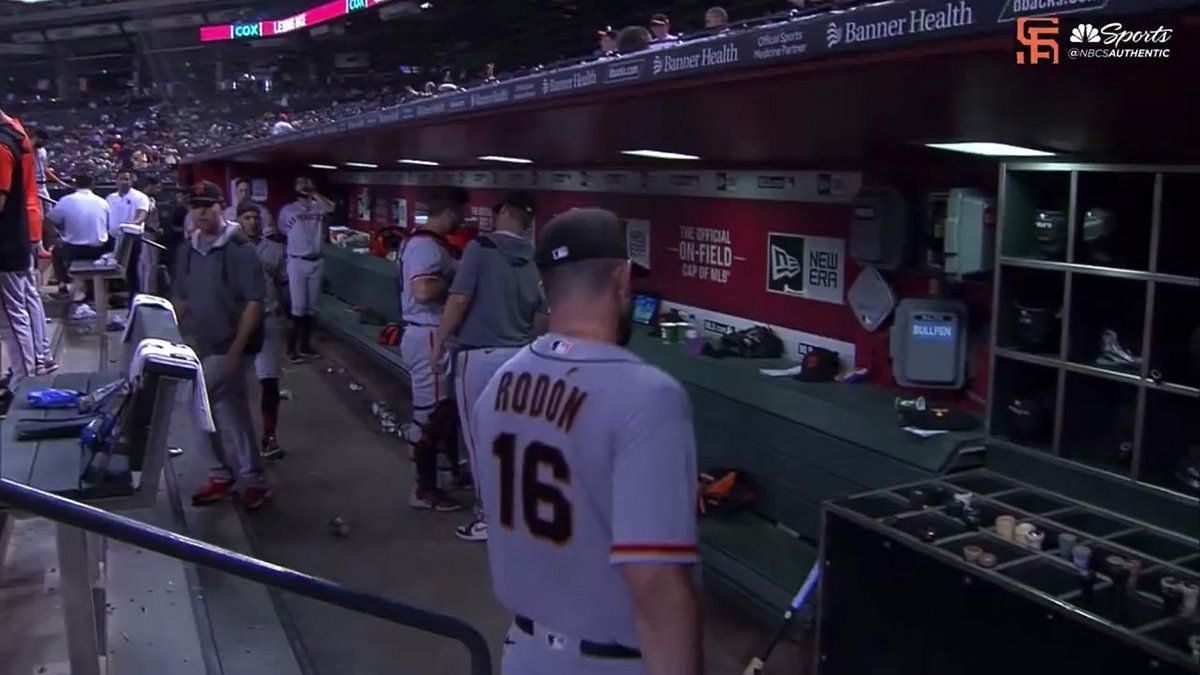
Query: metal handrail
[31,500]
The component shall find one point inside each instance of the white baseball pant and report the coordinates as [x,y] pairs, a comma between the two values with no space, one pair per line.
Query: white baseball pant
[37,313]
[428,387]
[546,653]
[304,284]
[473,369]
[268,363]
[15,327]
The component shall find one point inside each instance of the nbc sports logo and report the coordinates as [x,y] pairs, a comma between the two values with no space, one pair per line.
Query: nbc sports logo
[833,34]
[1084,32]
[658,65]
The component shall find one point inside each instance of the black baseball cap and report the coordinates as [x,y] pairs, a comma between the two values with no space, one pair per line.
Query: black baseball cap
[247,206]
[518,199]
[205,193]
[819,365]
[583,234]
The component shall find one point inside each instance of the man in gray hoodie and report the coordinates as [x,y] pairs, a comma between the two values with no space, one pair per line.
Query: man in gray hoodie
[496,307]
[219,292]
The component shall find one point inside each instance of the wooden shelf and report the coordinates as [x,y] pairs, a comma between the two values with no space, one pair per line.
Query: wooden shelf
[1098,371]
[1151,203]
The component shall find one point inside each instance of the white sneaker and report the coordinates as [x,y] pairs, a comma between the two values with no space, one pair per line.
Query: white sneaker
[476,530]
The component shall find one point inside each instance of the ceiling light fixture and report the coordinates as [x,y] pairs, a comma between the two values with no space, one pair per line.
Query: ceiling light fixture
[990,149]
[418,162]
[658,154]
[509,160]
[362,165]
[323,166]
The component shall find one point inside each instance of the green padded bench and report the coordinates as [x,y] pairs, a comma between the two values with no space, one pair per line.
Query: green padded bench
[801,443]
[355,282]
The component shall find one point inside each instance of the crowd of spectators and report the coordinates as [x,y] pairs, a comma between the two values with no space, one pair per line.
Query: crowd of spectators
[150,134]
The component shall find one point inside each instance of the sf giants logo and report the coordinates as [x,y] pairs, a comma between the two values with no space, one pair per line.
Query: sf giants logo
[1038,38]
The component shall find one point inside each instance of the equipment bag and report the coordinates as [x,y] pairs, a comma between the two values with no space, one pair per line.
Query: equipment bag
[723,492]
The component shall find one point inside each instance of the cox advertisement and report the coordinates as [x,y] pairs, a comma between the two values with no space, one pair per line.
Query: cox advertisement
[268,27]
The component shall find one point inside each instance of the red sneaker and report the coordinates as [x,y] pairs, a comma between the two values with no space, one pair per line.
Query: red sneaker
[212,492]
[254,497]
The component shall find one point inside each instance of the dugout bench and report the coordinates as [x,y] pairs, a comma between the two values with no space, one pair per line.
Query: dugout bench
[62,466]
[802,443]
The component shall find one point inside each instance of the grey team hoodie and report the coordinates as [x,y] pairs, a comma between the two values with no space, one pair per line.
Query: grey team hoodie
[498,272]
[216,279]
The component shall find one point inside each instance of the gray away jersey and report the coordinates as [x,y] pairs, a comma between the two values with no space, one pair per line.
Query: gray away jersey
[423,256]
[301,221]
[505,291]
[586,460]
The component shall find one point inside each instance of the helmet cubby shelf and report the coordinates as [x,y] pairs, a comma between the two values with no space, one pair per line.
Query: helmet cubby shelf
[1096,338]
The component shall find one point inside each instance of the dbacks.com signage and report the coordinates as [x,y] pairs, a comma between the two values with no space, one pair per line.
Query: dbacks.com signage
[914,22]
[1014,8]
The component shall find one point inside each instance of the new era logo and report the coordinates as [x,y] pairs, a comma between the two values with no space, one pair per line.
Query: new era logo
[560,253]
[783,264]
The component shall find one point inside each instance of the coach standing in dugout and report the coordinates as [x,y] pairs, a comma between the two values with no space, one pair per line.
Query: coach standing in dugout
[219,293]
[495,307]
[20,214]
[303,223]
[587,468]
[427,265]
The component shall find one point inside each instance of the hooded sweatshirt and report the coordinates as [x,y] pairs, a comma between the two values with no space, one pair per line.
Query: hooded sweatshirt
[217,278]
[498,272]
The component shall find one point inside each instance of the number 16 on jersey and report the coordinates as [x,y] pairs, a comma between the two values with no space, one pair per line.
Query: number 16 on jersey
[545,510]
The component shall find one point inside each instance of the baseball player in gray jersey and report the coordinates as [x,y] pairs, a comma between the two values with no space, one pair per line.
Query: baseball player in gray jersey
[587,470]
[495,307]
[302,222]
[268,363]
[427,265]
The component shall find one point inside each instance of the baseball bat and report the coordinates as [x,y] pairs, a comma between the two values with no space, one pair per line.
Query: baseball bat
[755,667]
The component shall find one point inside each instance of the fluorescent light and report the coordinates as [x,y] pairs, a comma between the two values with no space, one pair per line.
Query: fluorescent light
[362,165]
[658,154]
[509,160]
[990,149]
[323,166]
[418,162]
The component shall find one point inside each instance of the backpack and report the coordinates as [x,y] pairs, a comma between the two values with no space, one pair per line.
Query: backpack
[758,342]
[255,344]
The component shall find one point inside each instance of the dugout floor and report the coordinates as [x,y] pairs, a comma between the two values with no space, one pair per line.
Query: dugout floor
[165,616]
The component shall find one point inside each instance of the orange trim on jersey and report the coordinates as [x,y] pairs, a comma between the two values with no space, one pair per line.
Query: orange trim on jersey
[653,549]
